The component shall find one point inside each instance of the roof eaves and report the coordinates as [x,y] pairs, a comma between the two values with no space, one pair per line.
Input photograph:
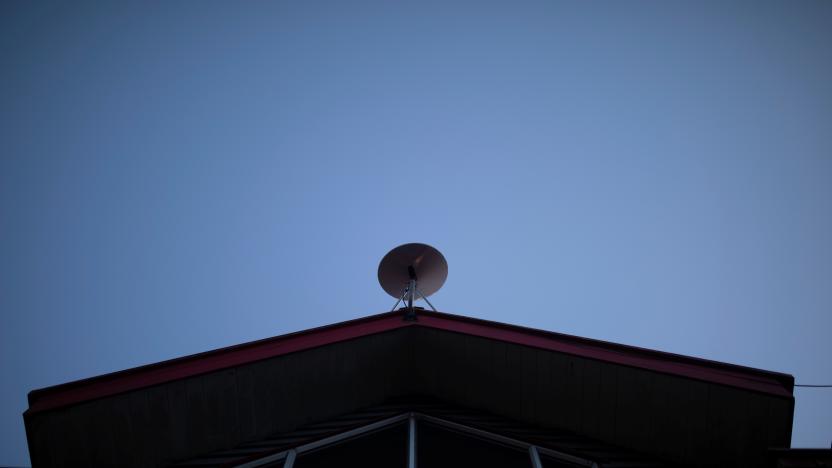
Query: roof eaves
[757,380]
[210,361]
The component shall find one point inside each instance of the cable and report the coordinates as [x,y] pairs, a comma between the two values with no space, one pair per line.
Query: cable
[813,386]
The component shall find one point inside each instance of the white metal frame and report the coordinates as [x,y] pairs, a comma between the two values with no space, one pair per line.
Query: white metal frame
[290,455]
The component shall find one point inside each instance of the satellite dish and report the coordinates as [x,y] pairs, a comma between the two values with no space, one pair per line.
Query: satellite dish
[410,271]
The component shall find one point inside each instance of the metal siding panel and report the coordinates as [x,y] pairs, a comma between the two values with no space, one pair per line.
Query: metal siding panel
[385,359]
[636,407]
[528,384]
[669,426]
[514,396]
[245,402]
[267,393]
[647,391]
[37,436]
[725,427]
[430,361]
[757,421]
[310,368]
[559,375]
[591,404]
[61,439]
[693,412]
[196,415]
[548,414]
[221,404]
[540,392]
[177,413]
[460,368]
[81,440]
[292,403]
[607,401]
[339,367]
[498,391]
[370,351]
[419,371]
[479,358]
[627,407]
[780,413]
[142,432]
[408,372]
[573,392]
[444,365]
[158,415]
[60,444]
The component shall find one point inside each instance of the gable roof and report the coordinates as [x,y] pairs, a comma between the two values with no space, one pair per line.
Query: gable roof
[730,375]
[671,407]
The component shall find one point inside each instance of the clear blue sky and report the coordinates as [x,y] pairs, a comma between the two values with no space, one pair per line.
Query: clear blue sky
[181,176]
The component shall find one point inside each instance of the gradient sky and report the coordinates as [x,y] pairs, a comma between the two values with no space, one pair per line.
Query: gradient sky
[181,176]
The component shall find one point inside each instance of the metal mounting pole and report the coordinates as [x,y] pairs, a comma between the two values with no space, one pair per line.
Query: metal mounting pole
[411,296]
[290,459]
[535,457]
[411,442]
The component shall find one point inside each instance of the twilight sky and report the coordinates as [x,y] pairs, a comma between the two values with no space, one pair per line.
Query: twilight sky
[181,176]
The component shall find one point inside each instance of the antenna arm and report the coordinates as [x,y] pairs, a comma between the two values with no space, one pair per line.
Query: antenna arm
[404,293]
[426,300]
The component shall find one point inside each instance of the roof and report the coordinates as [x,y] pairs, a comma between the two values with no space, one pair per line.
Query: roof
[665,406]
[746,378]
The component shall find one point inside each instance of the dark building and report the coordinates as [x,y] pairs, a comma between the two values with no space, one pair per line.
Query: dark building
[444,390]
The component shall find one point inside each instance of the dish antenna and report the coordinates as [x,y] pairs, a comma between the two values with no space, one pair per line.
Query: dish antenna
[412,270]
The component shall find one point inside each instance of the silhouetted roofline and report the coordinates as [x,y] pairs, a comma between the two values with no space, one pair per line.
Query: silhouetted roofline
[767,382]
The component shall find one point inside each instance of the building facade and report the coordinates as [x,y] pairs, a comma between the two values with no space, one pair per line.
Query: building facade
[443,390]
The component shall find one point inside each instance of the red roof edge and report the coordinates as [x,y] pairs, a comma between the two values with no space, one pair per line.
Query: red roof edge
[209,361]
[749,378]
[758,380]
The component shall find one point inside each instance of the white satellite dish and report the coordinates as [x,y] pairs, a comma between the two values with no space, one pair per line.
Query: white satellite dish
[411,271]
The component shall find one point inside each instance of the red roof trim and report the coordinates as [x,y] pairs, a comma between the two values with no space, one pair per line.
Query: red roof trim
[700,369]
[202,363]
[140,377]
